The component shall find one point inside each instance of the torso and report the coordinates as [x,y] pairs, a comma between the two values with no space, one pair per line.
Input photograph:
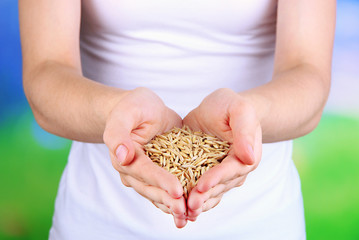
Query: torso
[183,51]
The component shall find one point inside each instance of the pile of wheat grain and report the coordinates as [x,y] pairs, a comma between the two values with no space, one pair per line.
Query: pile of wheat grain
[186,154]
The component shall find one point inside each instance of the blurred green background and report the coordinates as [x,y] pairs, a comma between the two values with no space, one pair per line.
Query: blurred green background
[31,160]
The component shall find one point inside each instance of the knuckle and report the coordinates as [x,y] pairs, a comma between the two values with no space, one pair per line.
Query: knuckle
[196,203]
[164,200]
[125,182]
[116,165]
[238,174]
[196,213]
[223,91]
[141,89]
[176,208]
[106,137]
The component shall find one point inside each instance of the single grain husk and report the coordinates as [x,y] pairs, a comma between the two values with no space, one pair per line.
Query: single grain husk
[187,154]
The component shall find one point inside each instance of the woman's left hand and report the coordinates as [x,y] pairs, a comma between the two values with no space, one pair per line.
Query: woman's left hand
[229,116]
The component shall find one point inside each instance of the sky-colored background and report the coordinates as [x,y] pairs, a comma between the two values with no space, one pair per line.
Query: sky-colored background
[31,160]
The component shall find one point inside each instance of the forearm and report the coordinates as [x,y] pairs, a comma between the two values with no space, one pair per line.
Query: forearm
[291,104]
[67,104]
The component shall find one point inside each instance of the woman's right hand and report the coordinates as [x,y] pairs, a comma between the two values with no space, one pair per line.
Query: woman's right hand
[136,118]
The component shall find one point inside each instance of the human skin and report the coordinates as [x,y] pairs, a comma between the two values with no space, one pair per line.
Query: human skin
[287,107]
[69,105]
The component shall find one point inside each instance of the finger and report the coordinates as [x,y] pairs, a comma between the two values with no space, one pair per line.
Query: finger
[192,219]
[180,223]
[162,207]
[229,169]
[177,122]
[244,123]
[193,214]
[117,137]
[124,181]
[211,203]
[143,169]
[154,194]
[203,207]
[191,121]
[197,199]
[207,205]
[217,195]
[165,209]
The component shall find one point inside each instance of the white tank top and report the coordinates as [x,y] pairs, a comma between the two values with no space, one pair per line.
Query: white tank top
[182,50]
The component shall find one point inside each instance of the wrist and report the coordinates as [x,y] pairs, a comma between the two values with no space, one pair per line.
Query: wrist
[259,102]
[107,101]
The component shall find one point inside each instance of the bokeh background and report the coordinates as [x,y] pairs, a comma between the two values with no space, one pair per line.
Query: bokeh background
[31,160]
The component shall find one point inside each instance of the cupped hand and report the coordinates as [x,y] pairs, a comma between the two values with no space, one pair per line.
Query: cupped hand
[136,118]
[229,116]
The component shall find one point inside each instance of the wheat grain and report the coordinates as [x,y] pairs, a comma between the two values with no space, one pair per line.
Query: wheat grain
[186,154]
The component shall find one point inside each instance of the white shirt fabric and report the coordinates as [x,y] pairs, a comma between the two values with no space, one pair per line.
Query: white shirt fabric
[182,50]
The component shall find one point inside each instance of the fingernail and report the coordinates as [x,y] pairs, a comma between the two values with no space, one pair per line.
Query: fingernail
[251,154]
[121,153]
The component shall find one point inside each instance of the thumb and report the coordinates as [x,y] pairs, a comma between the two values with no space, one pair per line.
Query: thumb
[118,139]
[243,125]
[125,152]
[243,150]
[191,120]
